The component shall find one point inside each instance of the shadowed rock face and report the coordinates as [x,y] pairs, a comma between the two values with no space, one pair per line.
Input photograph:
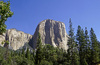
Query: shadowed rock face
[52,32]
[17,39]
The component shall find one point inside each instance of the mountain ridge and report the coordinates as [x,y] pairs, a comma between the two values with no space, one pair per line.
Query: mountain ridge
[52,32]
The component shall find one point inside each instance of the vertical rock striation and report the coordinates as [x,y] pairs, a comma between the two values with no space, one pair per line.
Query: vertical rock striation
[52,32]
[17,39]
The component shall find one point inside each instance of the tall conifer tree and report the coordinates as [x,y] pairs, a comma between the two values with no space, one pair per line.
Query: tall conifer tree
[39,50]
[72,51]
[80,36]
[95,46]
[28,53]
[23,53]
[88,47]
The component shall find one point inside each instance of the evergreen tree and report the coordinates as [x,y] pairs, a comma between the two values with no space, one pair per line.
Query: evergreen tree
[39,50]
[44,62]
[88,48]
[33,55]
[87,41]
[73,50]
[23,52]
[28,54]
[95,46]
[80,36]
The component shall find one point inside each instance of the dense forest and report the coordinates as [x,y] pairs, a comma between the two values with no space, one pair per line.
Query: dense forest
[83,48]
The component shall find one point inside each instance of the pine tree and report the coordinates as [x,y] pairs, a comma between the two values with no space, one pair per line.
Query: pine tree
[80,36]
[88,48]
[23,52]
[28,53]
[95,46]
[72,51]
[87,41]
[39,50]
[6,43]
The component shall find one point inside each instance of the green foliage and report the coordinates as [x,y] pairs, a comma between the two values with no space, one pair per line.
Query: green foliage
[5,41]
[39,56]
[55,55]
[44,62]
[95,46]
[80,36]
[87,48]
[28,53]
[5,12]
[14,58]
[73,50]
[23,52]
[81,49]
[48,55]
[84,62]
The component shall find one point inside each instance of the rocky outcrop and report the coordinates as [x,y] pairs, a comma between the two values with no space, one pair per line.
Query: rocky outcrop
[52,32]
[17,39]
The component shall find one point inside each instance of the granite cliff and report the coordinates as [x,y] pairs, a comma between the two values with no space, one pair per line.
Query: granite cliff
[52,32]
[17,39]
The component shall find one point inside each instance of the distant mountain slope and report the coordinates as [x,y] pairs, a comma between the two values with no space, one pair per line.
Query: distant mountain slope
[17,39]
[52,32]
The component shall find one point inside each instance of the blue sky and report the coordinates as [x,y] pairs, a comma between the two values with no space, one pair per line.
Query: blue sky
[28,13]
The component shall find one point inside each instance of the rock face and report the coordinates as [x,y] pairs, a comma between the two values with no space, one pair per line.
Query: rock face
[52,32]
[17,39]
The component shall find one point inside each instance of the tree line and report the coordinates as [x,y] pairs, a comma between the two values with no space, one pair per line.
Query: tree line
[83,48]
